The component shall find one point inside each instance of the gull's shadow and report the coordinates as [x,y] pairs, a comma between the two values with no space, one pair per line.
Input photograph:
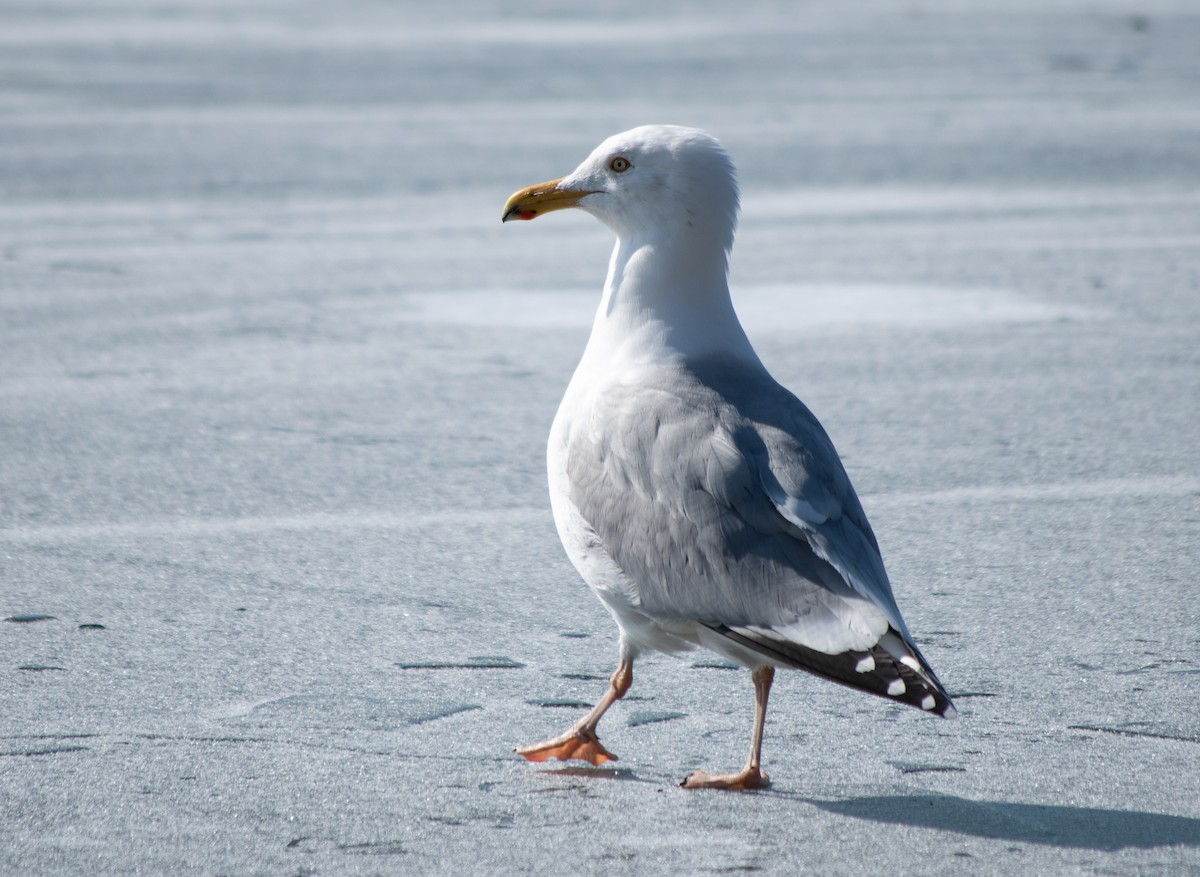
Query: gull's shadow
[601,773]
[1051,825]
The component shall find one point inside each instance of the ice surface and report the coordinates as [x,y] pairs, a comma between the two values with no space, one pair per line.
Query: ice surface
[275,385]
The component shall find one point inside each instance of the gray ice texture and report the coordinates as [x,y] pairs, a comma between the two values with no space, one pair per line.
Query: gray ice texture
[280,583]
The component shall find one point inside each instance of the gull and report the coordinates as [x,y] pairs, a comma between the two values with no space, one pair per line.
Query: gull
[701,501]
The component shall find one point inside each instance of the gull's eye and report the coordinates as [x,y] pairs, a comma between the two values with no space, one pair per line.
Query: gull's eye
[620,164]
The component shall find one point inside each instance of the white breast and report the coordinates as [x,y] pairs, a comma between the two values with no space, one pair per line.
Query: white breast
[586,551]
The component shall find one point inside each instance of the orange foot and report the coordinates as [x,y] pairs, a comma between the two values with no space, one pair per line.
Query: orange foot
[747,779]
[573,744]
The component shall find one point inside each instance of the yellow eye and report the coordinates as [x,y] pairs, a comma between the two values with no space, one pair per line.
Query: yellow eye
[620,164]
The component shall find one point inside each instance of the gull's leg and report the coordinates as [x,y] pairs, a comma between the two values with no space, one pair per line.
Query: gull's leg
[581,741]
[751,776]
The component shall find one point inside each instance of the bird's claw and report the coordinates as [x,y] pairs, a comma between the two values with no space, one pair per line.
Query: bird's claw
[575,744]
[749,778]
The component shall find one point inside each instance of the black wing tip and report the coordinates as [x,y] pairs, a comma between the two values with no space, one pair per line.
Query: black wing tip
[929,699]
[909,681]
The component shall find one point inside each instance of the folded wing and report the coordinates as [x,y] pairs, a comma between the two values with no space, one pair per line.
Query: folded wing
[730,507]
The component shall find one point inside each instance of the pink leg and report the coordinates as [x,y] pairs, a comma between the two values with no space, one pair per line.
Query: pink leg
[751,776]
[581,741]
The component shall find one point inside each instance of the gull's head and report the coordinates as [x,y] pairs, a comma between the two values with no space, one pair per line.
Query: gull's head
[653,181]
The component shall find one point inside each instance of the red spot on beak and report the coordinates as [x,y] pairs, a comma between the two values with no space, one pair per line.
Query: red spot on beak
[527,214]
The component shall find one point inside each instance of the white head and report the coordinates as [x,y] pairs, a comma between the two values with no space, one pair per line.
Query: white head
[651,182]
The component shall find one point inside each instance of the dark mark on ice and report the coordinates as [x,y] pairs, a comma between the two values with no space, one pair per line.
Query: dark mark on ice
[39,667]
[495,820]
[584,677]
[1128,731]
[650,717]
[934,639]
[1156,665]
[967,695]
[560,704]
[188,739]
[574,634]
[375,848]
[715,665]
[915,767]
[49,750]
[480,662]
[295,842]
[29,619]
[444,713]
[92,626]
[736,869]
[573,789]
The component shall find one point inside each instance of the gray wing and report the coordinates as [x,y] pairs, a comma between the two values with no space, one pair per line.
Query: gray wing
[722,499]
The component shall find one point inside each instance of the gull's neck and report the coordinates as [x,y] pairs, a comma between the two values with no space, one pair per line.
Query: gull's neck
[666,298]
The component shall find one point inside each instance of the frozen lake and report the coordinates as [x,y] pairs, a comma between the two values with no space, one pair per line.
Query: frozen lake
[281,586]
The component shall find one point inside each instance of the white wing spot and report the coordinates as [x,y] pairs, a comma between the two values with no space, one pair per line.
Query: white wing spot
[896,687]
[910,662]
[927,702]
[865,664]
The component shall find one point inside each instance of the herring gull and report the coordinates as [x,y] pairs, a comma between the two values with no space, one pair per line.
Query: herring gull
[701,501]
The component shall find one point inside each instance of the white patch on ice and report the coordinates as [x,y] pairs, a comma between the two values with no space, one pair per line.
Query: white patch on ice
[803,307]
[1111,488]
[763,310]
[53,534]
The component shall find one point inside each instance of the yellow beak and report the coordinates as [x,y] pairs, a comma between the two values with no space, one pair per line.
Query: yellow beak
[540,198]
